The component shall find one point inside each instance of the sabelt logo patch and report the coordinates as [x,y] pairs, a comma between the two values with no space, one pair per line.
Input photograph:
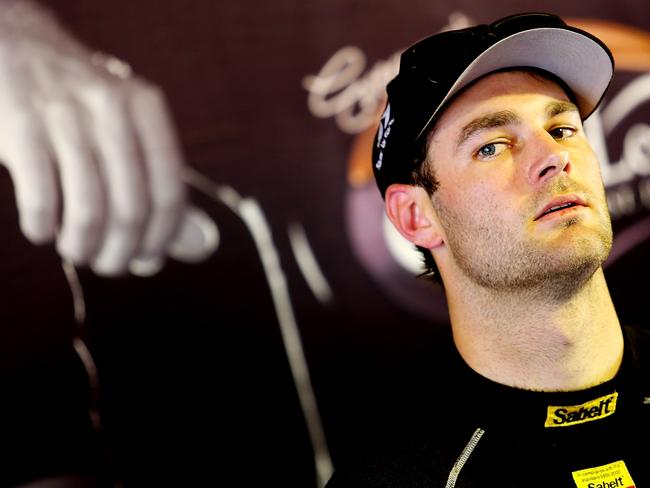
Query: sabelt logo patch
[565,416]
[613,475]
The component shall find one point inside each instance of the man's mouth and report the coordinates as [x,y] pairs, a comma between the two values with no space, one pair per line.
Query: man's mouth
[558,204]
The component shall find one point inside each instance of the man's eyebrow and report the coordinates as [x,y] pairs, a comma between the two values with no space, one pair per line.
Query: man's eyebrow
[489,121]
[556,108]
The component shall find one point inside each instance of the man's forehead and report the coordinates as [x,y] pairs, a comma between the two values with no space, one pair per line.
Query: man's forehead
[492,94]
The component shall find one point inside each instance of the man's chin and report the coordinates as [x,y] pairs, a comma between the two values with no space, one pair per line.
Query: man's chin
[554,274]
[563,274]
[579,240]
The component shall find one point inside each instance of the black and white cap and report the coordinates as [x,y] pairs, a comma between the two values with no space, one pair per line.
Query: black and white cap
[439,67]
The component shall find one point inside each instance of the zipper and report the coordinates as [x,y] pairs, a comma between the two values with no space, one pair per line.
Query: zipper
[464,456]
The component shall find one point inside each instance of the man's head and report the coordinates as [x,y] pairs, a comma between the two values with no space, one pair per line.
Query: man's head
[472,116]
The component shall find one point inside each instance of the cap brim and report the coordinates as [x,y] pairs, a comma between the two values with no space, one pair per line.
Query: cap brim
[584,64]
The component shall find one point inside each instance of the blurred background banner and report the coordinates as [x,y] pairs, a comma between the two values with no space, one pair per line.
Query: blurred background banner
[276,104]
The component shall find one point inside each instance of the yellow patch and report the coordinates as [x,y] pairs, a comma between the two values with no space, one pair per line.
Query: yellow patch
[613,475]
[566,416]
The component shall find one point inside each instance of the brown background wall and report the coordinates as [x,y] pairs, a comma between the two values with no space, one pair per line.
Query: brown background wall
[193,356]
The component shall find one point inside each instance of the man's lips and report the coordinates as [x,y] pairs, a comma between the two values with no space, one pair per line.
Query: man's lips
[560,203]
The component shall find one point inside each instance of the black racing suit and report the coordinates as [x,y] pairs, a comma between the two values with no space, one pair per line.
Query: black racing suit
[489,435]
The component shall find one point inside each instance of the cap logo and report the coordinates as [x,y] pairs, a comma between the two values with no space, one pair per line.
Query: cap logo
[382,134]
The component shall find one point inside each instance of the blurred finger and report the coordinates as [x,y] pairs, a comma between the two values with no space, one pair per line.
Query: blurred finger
[163,160]
[26,153]
[126,186]
[25,150]
[197,238]
[83,204]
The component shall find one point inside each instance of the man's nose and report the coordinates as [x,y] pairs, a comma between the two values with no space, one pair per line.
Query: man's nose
[550,160]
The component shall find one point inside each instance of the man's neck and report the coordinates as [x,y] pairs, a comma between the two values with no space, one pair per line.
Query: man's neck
[531,340]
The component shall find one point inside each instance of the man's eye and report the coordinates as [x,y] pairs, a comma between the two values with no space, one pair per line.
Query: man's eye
[562,132]
[490,150]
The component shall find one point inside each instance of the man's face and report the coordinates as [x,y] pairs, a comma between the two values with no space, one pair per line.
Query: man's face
[505,152]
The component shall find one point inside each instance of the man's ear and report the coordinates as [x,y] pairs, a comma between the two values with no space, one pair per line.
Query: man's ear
[410,210]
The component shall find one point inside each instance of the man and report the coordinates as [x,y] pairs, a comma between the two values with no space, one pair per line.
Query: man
[484,165]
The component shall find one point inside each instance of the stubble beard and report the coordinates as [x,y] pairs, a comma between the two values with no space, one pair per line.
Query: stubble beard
[492,256]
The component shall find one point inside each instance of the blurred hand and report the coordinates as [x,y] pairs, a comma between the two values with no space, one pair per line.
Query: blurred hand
[91,148]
